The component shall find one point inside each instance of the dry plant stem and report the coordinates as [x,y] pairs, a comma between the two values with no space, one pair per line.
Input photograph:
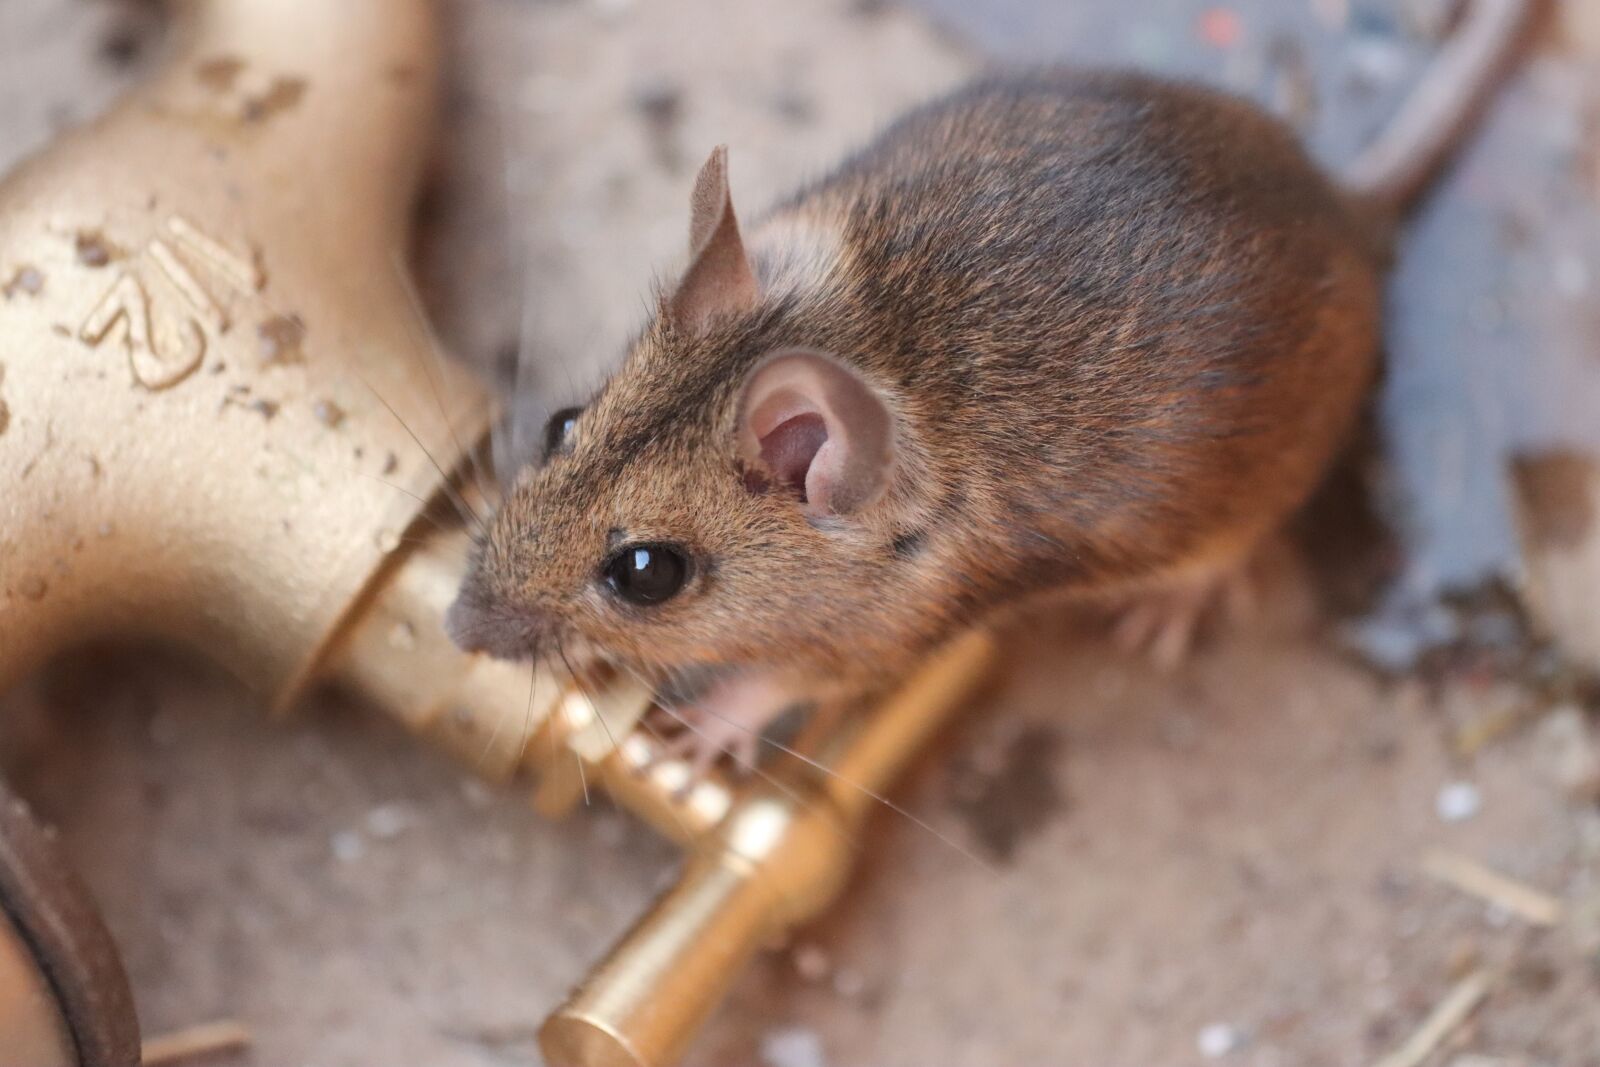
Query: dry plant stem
[1462,1000]
[1470,876]
[206,1039]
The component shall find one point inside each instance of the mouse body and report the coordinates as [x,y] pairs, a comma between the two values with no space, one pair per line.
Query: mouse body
[1060,333]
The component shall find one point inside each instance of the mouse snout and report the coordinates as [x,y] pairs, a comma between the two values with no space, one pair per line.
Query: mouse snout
[495,627]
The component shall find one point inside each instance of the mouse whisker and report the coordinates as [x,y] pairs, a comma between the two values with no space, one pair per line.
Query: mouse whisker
[494,734]
[511,450]
[517,442]
[310,468]
[850,841]
[577,680]
[463,508]
[823,768]
[423,515]
[422,330]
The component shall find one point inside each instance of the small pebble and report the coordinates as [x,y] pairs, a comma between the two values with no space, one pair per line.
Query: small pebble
[1458,802]
[1217,1040]
[795,1046]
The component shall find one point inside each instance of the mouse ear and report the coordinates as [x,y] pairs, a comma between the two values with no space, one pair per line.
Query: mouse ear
[816,426]
[719,280]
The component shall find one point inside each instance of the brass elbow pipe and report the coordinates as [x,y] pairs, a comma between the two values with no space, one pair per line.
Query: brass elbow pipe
[777,860]
[222,425]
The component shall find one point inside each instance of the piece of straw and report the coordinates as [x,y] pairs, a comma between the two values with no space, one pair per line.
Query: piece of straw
[207,1039]
[1470,876]
[1463,998]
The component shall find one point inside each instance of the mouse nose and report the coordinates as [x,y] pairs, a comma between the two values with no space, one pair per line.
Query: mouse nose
[487,624]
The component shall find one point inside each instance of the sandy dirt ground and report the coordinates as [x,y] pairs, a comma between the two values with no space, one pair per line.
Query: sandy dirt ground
[1227,864]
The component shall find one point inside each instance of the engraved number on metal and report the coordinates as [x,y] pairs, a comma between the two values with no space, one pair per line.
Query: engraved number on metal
[164,349]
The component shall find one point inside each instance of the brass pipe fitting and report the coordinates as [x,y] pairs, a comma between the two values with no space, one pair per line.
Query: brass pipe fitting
[506,720]
[222,423]
[778,859]
[203,320]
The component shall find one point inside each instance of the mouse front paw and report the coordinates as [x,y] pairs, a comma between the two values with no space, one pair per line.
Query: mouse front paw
[727,720]
[701,740]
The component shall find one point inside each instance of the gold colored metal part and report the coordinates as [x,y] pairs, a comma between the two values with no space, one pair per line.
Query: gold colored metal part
[221,424]
[215,258]
[777,860]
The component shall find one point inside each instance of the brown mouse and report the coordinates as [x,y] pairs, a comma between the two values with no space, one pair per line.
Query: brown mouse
[1082,333]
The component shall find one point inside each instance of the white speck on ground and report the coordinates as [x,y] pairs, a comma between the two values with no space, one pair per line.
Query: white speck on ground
[1458,802]
[1217,1040]
[794,1046]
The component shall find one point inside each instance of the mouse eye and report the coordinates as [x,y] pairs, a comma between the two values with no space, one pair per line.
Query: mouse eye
[558,431]
[646,574]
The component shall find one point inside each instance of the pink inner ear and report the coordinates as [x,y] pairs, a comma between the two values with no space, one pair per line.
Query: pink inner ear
[789,448]
[817,427]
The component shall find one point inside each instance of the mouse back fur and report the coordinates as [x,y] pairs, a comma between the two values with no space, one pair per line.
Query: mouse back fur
[1056,331]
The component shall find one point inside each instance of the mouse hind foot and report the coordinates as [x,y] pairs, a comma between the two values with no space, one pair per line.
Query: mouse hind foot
[1163,622]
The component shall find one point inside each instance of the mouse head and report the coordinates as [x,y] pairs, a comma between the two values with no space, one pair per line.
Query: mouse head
[733,495]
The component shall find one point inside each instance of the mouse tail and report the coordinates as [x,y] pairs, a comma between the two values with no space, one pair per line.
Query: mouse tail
[1391,174]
